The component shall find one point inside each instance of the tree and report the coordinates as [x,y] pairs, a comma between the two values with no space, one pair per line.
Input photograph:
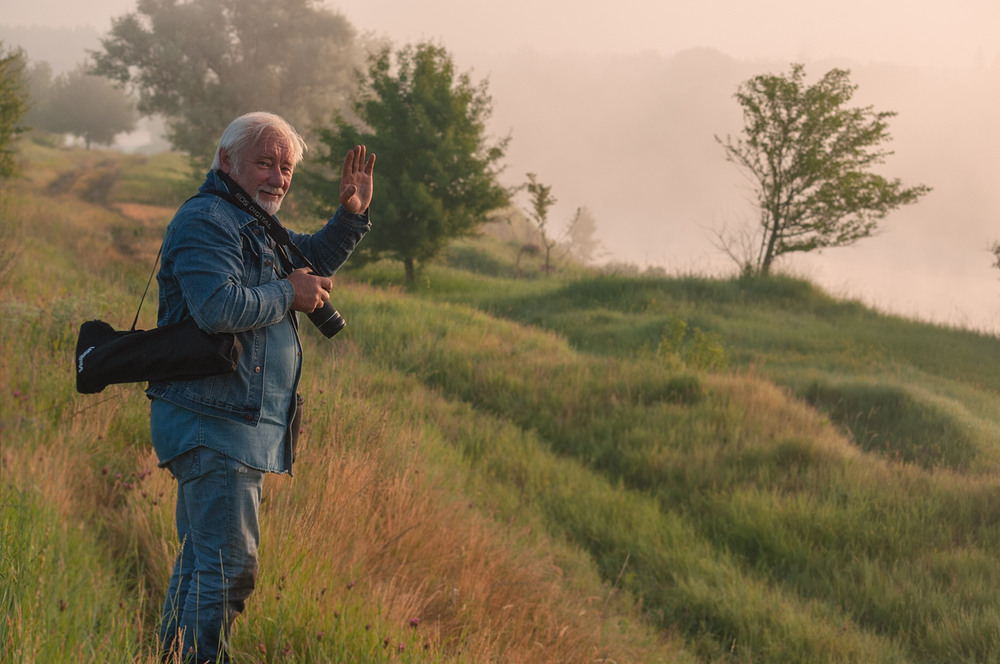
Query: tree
[808,157]
[13,104]
[201,63]
[87,106]
[995,250]
[580,235]
[541,200]
[437,171]
[41,83]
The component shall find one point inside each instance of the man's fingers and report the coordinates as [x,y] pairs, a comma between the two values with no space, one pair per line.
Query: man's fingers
[355,160]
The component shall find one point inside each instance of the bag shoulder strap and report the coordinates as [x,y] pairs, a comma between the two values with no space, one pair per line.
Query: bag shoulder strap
[148,282]
[152,273]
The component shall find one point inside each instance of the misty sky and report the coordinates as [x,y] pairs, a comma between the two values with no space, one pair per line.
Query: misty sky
[947,32]
[931,261]
[910,31]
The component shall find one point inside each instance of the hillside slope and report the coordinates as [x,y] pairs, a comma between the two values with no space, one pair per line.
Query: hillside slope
[580,469]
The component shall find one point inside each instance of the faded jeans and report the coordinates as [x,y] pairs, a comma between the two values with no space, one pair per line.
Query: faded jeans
[217,506]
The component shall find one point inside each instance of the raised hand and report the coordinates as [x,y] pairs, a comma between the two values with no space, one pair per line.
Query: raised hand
[356,180]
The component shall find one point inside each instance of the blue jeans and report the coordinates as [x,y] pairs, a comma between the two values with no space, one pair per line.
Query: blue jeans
[217,506]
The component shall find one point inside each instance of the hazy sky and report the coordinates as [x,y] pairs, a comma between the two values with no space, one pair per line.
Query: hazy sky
[948,32]
[908,31]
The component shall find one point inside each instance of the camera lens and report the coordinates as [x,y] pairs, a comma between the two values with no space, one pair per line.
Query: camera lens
[328,320]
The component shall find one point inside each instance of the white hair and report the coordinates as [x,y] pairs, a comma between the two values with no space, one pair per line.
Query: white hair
[246,131]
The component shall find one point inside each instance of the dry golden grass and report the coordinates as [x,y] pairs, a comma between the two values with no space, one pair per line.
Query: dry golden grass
[365,514]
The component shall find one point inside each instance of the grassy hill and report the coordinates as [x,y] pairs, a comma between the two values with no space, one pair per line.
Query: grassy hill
[573,468]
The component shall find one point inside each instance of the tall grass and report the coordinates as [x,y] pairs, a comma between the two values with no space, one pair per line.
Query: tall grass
[378,550]
[744,484]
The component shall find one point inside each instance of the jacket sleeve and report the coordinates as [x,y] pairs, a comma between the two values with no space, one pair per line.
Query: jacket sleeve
[329,248]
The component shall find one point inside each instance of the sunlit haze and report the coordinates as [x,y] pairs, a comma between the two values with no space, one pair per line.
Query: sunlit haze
[616,106]
[926,32]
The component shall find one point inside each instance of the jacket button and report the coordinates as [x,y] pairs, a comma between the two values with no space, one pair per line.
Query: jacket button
[256,370]
[267,263]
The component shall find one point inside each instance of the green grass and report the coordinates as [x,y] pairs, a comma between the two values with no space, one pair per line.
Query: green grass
[765,495]
[59,594]
[579,467]
[894,385]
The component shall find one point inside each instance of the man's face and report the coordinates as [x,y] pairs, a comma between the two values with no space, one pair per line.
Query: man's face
[264,171]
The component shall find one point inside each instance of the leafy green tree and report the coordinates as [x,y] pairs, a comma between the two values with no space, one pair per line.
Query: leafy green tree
[436,169]
[808,157]
[13,104]
[87,106]
[201,63]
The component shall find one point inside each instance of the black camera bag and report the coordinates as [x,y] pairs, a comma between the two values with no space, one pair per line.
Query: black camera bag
[180,351]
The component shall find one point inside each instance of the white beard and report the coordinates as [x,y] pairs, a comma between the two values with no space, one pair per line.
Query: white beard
[269,206]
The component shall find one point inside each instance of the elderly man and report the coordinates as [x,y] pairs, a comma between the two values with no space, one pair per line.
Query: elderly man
[219,435]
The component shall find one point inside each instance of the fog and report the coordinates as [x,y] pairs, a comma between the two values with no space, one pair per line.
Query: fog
[616,106]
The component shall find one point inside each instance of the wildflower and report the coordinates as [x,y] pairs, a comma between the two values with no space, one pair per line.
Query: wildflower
[350,584]
[414,622]
[261,647]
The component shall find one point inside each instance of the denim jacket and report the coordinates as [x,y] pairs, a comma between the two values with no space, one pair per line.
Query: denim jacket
[217,267]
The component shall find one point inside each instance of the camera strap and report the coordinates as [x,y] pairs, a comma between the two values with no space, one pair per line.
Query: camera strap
[241,199]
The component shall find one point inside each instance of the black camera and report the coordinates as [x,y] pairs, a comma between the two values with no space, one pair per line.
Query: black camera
[328,320]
